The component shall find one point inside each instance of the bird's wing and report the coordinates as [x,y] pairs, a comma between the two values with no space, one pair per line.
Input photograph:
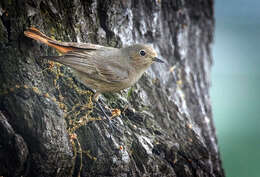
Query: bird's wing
[94,64]
[77,46]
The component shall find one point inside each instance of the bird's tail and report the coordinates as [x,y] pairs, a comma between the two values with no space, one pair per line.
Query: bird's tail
[39,36]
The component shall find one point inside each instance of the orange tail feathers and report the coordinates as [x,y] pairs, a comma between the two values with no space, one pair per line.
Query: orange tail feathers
[39,36]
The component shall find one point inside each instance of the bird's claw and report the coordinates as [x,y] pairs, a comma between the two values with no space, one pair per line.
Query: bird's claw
[111,124]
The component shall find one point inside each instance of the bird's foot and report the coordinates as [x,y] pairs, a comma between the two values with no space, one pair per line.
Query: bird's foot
[110,122]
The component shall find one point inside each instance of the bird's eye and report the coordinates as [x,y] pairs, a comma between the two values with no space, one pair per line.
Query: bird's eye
[142,52]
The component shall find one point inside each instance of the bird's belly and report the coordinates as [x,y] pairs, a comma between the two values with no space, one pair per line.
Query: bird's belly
[102,86]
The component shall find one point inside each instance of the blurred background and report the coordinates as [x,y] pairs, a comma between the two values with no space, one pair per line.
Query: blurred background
[236,85]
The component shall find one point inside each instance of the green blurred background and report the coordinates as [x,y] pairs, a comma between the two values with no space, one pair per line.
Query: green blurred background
[236,85]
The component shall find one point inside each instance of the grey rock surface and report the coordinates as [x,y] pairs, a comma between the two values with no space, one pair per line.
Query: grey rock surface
[165,127]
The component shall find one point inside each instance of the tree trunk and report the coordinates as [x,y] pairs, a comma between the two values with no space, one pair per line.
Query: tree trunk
[50,127]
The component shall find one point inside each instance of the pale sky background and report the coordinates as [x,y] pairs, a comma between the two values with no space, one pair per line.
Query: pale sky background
[236,85]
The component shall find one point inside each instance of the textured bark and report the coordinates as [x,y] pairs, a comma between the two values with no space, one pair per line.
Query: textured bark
[50,127]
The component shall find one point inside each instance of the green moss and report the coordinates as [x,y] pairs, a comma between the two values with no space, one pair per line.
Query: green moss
[111,97]
[130,93]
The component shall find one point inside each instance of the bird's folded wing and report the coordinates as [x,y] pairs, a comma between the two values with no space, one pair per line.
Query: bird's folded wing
[89,63]
[85,46]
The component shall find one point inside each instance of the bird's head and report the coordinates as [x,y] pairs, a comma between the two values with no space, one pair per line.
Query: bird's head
[142,56]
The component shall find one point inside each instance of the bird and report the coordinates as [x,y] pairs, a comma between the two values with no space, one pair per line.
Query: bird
[100,68]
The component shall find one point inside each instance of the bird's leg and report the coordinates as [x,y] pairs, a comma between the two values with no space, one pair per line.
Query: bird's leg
[96,98]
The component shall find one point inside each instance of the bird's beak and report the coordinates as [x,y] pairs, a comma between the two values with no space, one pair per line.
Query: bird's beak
[158,60]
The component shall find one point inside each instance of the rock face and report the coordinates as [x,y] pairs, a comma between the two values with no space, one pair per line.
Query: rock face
[50,127]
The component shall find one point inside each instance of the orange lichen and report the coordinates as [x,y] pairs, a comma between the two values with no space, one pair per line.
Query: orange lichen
[189,126]
[46,95]
[115,112]
[121,148]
